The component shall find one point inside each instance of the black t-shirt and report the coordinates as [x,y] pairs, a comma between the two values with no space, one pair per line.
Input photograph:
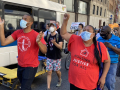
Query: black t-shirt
[52,51]
[58,30]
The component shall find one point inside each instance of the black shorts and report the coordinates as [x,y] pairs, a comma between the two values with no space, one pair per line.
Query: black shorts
[72,87]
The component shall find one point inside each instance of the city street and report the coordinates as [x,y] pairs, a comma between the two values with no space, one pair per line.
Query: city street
[39,82]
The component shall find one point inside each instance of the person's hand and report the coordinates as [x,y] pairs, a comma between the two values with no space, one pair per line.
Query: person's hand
[107,44]
[1,22]
[53,41]
[39,37]
[66,17]
[101,82]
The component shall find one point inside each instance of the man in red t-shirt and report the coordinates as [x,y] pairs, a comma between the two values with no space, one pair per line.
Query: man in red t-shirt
[28,42]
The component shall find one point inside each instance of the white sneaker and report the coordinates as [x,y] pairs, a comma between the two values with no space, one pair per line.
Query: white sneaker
[59,83]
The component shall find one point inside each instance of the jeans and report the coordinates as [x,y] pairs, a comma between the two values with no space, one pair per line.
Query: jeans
[26,76]
[110,79]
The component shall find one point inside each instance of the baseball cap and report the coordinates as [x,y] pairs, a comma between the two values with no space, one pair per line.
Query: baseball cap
[55,25]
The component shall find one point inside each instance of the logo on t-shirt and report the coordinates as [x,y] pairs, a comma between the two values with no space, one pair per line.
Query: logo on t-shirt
[23,43]
[84,52]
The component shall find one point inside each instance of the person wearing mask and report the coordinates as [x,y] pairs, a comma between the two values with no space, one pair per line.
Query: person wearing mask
[28,42]
[80,29]
[85,58]
[47,30]
[112,43]
[98,34]
[58,26]
[53,62]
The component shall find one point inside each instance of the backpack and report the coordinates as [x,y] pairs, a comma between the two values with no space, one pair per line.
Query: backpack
[57,37]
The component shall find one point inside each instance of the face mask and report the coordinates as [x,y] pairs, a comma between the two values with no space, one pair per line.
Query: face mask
[23,24]
[86,35]
[79,29]
[51,29]
[104,36]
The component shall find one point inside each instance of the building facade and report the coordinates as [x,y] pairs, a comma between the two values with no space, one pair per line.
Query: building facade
[93,12]
[78,10]
[111,15]
[98,13]
[117,12]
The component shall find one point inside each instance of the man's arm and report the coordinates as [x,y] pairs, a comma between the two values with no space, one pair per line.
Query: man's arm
[116,50]
[4,41]
[43,47]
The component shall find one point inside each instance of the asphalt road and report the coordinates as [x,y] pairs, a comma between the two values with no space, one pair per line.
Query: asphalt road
[40,82]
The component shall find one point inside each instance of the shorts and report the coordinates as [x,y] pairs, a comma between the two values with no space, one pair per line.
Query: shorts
[54,65]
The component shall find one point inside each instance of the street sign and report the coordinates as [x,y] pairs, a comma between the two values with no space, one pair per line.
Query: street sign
[74,25]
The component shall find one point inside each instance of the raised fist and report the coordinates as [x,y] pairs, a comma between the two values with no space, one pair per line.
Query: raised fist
[1,22]
[66,17]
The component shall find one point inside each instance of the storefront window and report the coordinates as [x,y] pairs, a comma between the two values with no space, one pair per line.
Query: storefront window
[82,7]
[70,5]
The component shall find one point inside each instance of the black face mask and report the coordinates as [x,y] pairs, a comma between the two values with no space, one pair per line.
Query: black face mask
[104,36]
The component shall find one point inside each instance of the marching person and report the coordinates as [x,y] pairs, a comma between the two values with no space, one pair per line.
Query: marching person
[80,29]
[54,42]
[85,58]
[29,42]
[112,42]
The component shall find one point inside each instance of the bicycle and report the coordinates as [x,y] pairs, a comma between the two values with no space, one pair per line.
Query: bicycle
[67,59]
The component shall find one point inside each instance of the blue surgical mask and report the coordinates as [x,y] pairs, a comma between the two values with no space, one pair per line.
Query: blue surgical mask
[86,35]
[23,24]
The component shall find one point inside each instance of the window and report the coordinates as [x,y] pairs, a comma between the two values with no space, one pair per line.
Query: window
[110,7]
[105,13]
[93,9]
[55,1]
[101,11]
[70,5]
[97,10]
[58,1]
[13,15]
[46,16]
[82,7]
[35,16]
[0,8]
[105,1]
[61,1]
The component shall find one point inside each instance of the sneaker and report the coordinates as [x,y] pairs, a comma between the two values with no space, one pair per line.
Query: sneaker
[59,83]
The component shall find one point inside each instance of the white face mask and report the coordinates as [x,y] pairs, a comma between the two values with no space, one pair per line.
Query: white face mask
[51,29]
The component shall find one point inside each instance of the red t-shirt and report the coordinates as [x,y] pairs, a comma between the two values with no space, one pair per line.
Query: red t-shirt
[27,48]
[84,70]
